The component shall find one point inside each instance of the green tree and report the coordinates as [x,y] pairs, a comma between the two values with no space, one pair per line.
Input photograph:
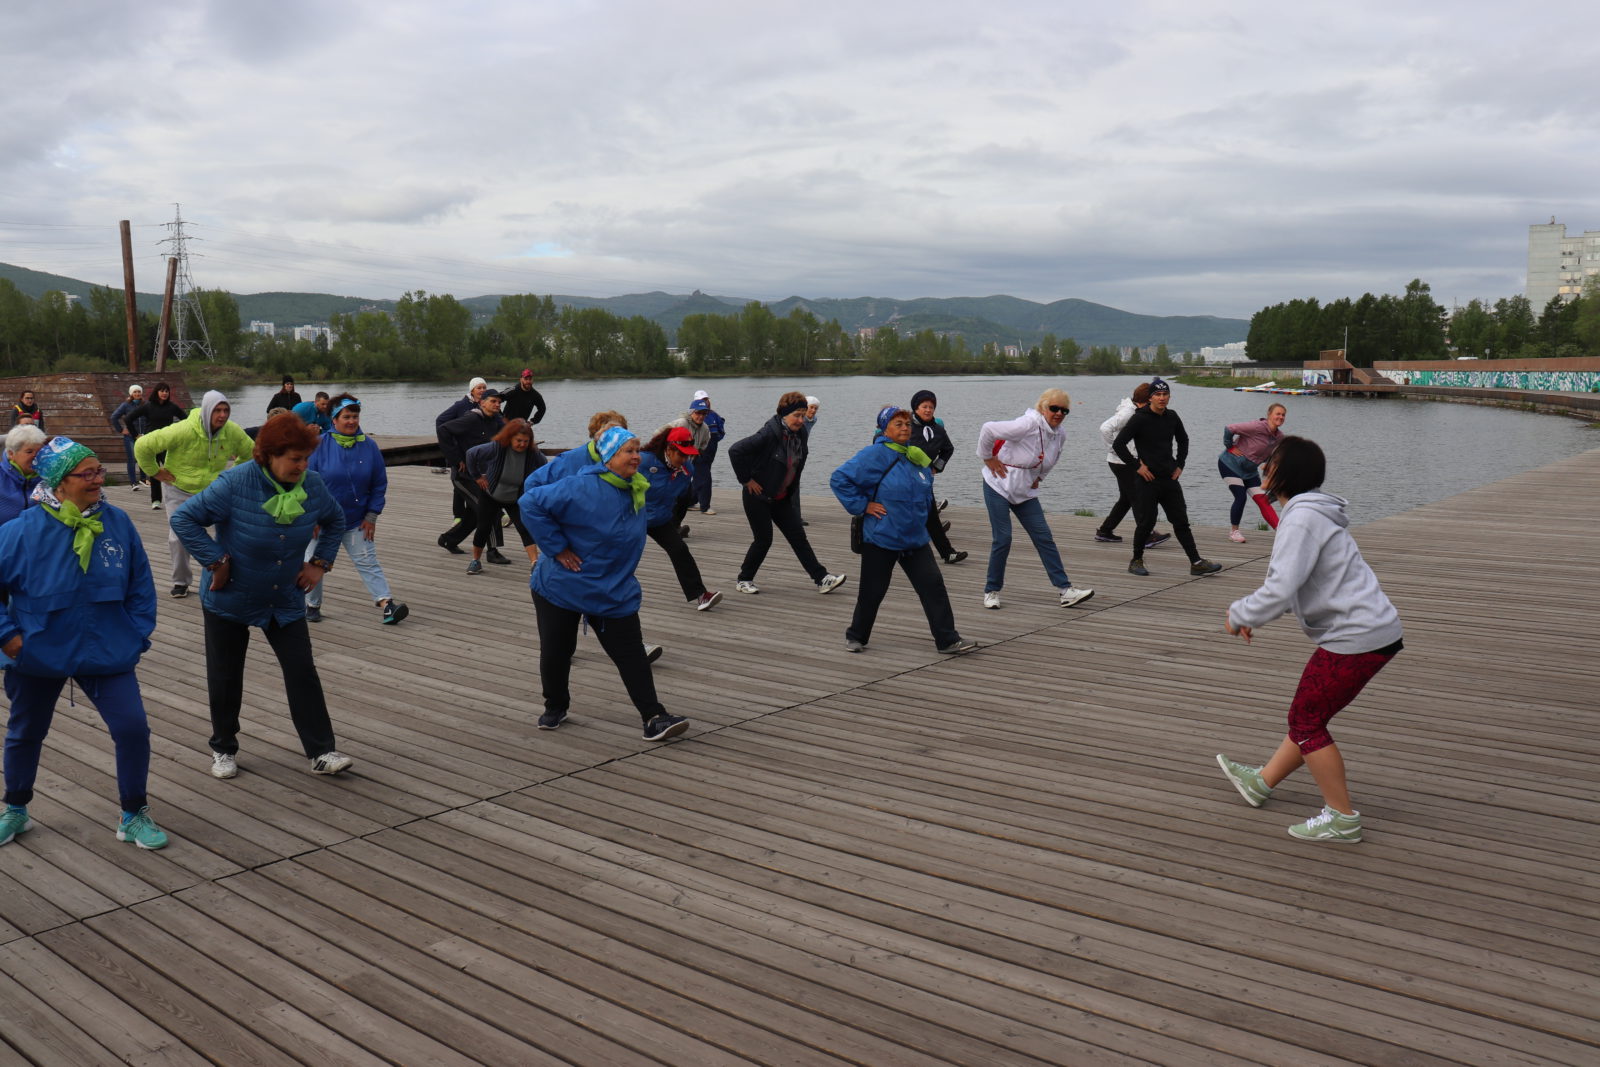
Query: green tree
[223,327]
[1068,353]
[1586,324]
[1472,329]
[1514,324]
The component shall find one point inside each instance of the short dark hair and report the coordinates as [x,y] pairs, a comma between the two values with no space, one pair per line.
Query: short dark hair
[278,436]
[1298,466]
[321,394]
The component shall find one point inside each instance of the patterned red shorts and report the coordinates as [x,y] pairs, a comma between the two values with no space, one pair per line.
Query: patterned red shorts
[1327,686]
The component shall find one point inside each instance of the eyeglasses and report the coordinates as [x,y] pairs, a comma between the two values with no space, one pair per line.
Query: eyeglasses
[93,474]
[1056,409]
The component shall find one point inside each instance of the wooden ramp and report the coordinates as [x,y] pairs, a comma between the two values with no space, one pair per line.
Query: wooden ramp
[1022,856]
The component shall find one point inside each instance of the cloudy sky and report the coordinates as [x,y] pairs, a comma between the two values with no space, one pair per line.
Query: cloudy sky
[1165,158]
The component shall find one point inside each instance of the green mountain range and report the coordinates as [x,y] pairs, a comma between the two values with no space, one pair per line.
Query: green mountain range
[998,319]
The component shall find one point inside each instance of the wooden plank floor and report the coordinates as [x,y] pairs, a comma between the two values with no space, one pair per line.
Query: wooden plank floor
[1021,856]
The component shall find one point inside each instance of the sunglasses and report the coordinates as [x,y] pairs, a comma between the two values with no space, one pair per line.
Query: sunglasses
[93,474]
[1057,409]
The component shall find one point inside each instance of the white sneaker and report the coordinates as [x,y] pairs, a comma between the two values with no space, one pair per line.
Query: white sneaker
[155,505]
[707,601]
[747,587]
[1073,595]
[1236,537]
[223,765]
[830,582]
[709,511]
[992,600]
[332,763]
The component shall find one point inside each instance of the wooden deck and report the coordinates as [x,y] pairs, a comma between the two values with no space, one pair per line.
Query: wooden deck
[1022,856]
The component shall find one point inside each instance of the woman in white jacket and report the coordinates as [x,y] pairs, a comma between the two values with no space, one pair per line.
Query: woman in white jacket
[1017,456]
[1317,574]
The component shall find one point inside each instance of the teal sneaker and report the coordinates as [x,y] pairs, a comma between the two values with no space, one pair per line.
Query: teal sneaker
[1247,780]
[13,821]
[1329,826]
[142,830]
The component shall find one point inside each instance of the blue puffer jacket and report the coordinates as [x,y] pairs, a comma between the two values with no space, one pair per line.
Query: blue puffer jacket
[904,489]
[668,488]
[564,465]
[72,621]
[718,426]
[15,489]
[266,556]
[355,476]
[596,520]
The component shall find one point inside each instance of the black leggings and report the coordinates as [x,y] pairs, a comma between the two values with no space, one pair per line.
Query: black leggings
[683,565]
[227,642]
[621,638]
[877,568]
[763,515]
[489,512]
[1164,491]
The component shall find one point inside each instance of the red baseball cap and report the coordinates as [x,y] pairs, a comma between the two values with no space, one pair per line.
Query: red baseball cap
[682,438]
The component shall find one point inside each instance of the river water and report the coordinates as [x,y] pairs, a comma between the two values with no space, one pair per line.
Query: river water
[1385,455]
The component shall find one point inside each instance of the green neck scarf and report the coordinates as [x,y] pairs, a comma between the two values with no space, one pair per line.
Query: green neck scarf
[594,454]
[638,485]
[24,475]
[85,530]
[911,452]
[285,505]
[347,441]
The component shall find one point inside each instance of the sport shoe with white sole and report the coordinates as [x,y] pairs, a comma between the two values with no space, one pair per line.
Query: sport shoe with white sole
[1330,825]
[652,653]
[746,587]
[830,582]
[852,645]
[992,600]
[1236,537]
[223,765]
[1204,566]
[552,719]
[141,829]
[332,763]
[13,821]
[1073,595]
[959,648]
[707,601]
[1247,780]
[664,726]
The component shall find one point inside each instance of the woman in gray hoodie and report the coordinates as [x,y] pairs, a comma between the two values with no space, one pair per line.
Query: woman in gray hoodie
[1318,574]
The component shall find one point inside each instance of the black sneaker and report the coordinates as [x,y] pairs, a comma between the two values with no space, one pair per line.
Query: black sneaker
[959,647]
[393,612]
[955,557]
[943,504]
[179,592]
[494,556]
[551,719]
[453,549]
[1204,566]
[683,532]
[652,653]
[664,726]
[1137,567]
[1157,539]
[1107,538]
[313,614]
[945,525]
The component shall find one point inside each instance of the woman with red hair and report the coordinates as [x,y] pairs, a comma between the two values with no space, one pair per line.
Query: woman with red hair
[264,514]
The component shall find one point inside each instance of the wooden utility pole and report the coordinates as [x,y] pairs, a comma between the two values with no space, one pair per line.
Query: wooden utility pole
[166,316]
[128,295]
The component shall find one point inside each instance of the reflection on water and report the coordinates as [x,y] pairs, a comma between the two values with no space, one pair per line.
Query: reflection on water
[1384,455]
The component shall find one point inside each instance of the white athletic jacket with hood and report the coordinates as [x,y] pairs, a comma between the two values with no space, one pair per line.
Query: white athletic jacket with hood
[1027,446]
[1113,426]
[1318,574]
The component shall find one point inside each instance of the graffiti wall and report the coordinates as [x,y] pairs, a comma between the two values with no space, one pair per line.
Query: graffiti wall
[1479,378]
[1310,379]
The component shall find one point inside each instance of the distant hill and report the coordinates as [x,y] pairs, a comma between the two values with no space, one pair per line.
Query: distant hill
[1000,319]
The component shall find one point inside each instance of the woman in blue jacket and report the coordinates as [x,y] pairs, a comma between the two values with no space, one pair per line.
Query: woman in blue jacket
[264,513]
[890,485]
[79,604]
[590,528]
[351,465]
[665,461]
[17,476]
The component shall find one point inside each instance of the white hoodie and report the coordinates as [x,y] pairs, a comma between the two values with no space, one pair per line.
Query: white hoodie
[1318,574]
[1027,446]
[1113,426]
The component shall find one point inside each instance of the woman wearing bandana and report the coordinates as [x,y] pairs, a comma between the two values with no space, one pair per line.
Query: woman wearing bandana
[264,514]
[890,484]
[351,465]
[590,529]
[80,604]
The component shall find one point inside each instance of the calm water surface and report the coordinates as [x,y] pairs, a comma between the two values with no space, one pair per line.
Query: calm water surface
[1386,456]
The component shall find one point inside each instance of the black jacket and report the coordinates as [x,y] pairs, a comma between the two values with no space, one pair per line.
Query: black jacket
[281,399]
[931,438]
[519,403]
[764,457]
[464,432]
[155,414]
[1154,434]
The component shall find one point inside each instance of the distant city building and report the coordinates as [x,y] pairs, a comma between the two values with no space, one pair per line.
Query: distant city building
[1013,351]
[72,298]
[867,333]
[266,329]
[311,333]
[1559,265]
[1233,353]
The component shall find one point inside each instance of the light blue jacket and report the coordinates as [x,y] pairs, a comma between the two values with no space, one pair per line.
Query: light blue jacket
[266,556]
[355,476]
[667,488]
[596,520]
[904,489]
[75,622]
